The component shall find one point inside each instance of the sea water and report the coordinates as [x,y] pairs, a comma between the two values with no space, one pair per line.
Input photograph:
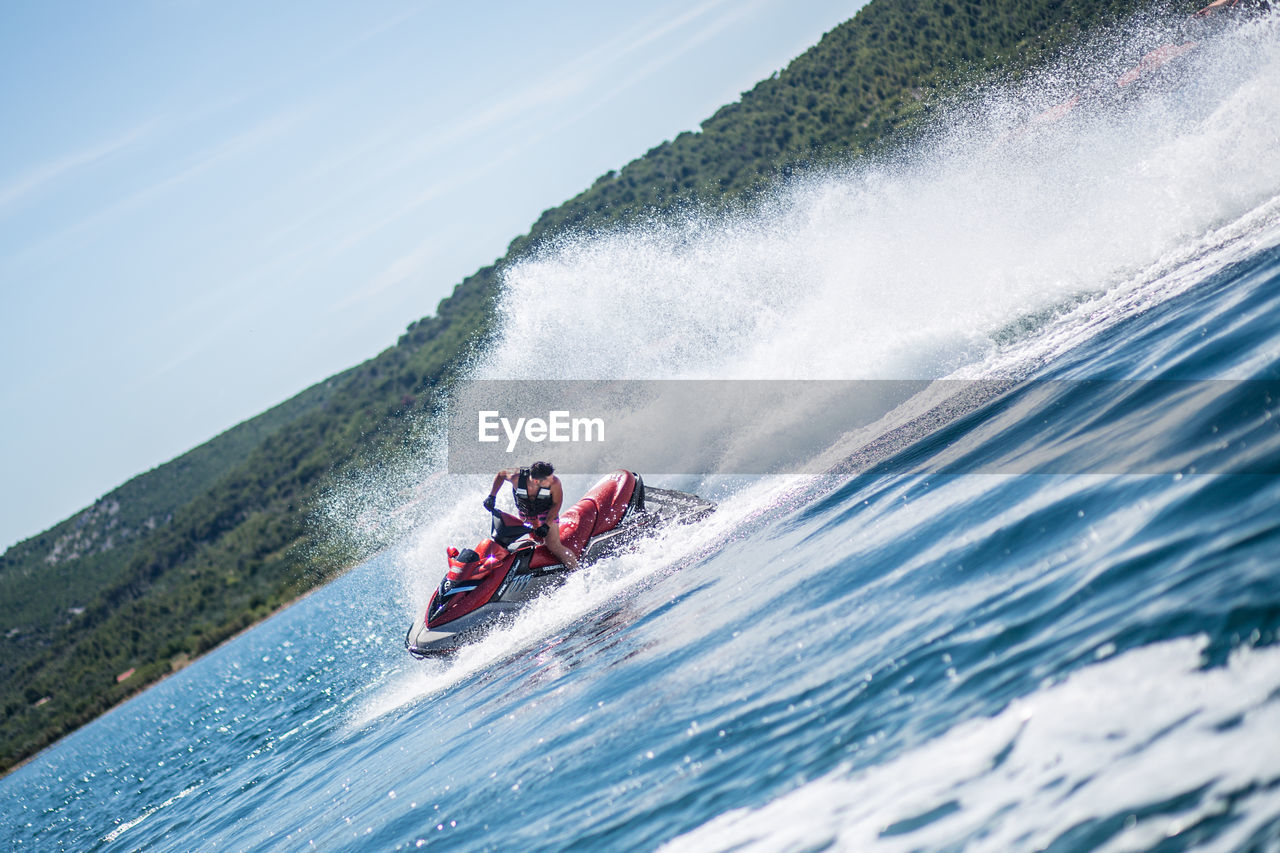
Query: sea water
[1075,656]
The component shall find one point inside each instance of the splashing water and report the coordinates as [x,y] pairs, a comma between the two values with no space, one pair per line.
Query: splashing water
[999,241]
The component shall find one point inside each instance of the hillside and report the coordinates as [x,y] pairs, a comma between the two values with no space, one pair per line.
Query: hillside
[179,559]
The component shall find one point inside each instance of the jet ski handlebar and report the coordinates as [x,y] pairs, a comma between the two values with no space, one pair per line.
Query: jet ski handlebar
[504,531]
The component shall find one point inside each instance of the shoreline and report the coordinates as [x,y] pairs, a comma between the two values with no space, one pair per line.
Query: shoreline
[143,688]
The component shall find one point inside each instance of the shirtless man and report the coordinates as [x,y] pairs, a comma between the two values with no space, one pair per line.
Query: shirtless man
[538,508]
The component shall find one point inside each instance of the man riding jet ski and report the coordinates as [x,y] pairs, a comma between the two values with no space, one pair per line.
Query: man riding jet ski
[538,510]
[514,565]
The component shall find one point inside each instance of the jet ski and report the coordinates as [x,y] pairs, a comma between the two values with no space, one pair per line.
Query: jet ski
[511,567]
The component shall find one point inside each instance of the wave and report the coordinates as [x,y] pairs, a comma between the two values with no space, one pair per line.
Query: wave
[999,241]
[1145,734]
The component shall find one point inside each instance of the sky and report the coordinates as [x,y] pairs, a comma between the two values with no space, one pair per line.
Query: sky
[207,207]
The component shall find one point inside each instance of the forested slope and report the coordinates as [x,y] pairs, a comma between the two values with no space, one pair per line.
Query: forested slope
[180,558]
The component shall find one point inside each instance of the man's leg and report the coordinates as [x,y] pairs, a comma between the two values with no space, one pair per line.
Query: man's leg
[555,546]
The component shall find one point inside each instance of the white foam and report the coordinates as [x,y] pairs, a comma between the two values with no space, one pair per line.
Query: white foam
[1112,739]
[914,267]
[127,825]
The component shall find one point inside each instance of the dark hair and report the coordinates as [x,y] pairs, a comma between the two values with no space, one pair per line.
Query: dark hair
[541,470]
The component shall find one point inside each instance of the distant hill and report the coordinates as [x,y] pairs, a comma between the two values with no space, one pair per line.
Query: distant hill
[178,559]
[49,575]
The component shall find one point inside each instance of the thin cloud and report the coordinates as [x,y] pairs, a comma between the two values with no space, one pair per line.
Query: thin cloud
[235,146]
[703,35]
[48,173]
[400,270]
[596,64]
[558,87]
[532,100]
[210,158]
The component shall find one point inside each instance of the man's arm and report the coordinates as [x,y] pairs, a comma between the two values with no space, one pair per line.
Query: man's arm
[1216,4]
[506,475]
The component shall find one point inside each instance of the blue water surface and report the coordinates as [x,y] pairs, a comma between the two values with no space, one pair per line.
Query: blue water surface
[864,622]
